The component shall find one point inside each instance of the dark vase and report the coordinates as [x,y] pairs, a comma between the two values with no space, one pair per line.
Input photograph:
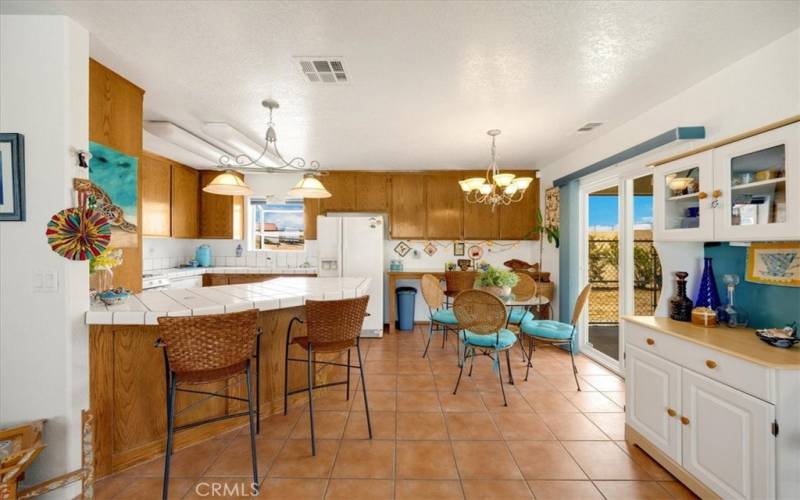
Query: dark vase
[680,306]
[707,295]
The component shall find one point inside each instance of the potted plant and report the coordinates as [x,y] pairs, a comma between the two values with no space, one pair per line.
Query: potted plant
[496,281]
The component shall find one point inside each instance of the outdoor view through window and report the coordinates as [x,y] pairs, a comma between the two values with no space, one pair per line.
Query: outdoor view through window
[276,225]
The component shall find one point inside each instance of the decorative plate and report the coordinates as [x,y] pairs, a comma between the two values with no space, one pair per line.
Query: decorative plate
[402,249]
[430,249]
[78,233]
[475,252]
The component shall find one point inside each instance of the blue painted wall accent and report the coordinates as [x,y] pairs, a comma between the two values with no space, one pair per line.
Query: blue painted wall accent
[768,305]
[568,275]
[676,134]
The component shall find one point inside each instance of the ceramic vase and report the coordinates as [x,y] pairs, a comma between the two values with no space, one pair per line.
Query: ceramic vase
[707,294]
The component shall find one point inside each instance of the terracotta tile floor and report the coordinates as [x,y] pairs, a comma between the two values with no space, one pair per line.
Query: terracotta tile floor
[550,442]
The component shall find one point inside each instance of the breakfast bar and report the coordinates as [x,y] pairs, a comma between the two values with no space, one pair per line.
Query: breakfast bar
[127,390]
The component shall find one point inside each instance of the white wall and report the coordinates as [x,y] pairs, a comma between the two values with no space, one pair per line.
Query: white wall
[761,88]
[44,369]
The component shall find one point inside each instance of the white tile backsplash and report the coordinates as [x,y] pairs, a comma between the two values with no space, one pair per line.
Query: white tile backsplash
[165,253]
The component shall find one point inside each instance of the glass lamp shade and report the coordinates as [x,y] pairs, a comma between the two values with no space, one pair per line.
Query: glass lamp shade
[472,183]
[309,187]
[503,180]
[229,184]
[464,186]
[510,189]
[485,188]
[522,183]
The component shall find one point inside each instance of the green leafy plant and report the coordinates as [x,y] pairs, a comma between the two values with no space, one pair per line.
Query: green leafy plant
[551,233]
[497,277]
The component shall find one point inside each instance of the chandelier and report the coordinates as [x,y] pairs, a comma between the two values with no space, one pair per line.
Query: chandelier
[228,183]
[495,188]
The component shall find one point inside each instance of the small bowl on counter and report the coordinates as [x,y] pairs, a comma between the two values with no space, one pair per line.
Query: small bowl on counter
[779,337]
[114,296]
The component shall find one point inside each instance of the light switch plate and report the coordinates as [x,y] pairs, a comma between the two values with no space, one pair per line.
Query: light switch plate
[45,281]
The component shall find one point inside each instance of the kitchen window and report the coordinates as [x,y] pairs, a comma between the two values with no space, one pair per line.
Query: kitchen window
[276,225]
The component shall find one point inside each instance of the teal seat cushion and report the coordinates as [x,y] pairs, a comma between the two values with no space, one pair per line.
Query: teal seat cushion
[547,329]
[505,339]
[517,315]
[446,316]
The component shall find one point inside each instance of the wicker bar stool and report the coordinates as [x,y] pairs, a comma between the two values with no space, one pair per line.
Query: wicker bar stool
[458,281]
[204,349]
[556,333]
[331,326]
[441,319]
[482,317]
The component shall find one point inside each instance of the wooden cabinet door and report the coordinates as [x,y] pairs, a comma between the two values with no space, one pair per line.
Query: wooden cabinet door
[480,222]
[215,279]
[220,216]
[155,175]
[727,440]
[653,388]
[407,216]
[372,192]
[185,202]
[444,206]
[517,220]
[342,187]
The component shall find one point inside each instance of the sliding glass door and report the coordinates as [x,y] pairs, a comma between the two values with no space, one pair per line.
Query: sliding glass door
[618,259]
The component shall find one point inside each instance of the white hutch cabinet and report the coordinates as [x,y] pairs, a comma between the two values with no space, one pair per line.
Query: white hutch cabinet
[745,190]
[716,407]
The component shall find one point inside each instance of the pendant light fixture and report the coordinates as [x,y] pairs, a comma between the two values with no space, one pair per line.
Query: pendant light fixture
[228,183]
[495,188]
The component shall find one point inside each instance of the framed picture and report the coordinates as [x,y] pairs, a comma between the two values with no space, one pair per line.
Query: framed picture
[458,249]
[551,207]
[402,249]
[774,263]
[430,249]
[464,264]
[12,177]
[113,180]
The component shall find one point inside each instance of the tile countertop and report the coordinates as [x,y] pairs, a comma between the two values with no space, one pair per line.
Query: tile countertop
[177,272]
[280,293]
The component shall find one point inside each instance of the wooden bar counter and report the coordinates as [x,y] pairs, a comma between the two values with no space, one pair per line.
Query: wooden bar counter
[127,379]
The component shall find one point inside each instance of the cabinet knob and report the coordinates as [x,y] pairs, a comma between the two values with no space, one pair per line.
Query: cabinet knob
[650,341]
[717,193]
[702,195]
[671,412]
[711,363]
[684,420]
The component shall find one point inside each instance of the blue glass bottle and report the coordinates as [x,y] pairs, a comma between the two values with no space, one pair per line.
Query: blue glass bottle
[707,295]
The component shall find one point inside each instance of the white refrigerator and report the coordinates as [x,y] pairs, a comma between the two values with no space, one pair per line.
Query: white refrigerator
[353,247]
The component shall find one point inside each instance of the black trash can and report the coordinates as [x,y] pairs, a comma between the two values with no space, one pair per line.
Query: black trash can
[406,297]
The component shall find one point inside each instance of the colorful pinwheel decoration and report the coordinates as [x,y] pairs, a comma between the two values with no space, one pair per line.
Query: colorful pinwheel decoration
[79,233]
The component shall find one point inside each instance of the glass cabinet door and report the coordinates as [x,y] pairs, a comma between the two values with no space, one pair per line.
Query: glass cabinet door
[682,203]
[757,187]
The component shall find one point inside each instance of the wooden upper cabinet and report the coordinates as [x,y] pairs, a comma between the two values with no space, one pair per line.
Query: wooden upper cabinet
[342,187]
[156,198]
[480,222]
[407,216]
[444,206]
[372,192]
[517,220]
[310,213]
[221,216]
[185,202]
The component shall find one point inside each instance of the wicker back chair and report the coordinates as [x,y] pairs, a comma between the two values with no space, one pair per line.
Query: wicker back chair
[203,349]
[482,315]
[458,281]
[432,291]
[580,303]
[480,312]
[331,326]
[525,288]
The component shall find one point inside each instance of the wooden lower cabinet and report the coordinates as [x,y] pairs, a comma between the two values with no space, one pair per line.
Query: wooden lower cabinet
[217,279]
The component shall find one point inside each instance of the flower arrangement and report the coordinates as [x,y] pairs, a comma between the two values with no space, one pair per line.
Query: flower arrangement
[497,281]
[107,260]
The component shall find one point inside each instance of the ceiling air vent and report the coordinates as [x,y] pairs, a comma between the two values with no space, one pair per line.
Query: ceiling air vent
[323,69]
[589,126]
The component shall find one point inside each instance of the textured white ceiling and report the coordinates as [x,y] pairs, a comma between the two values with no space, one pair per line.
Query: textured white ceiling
[428,78]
